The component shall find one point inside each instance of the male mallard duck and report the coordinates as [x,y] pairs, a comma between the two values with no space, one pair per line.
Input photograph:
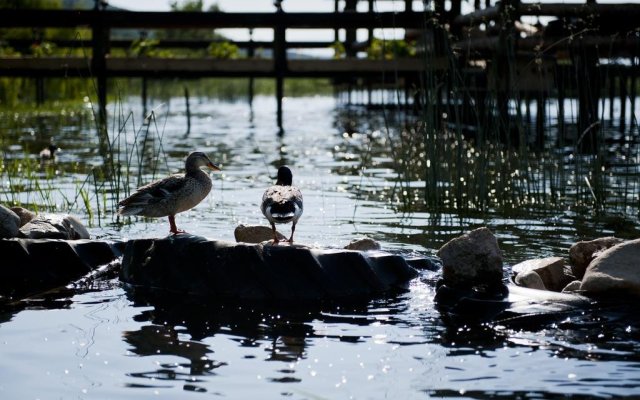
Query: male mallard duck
[282,202]
[173,194]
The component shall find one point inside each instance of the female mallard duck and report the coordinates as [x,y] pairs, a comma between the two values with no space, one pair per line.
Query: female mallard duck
[173,194]
[282,202]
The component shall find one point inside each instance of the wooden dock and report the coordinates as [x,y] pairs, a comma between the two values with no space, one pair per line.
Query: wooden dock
[488,48]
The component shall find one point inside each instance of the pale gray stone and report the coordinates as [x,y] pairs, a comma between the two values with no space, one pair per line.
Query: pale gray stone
[363,244]
[472,259]
[54,226]
[255,234]
[615,270]
[530,279]
[551,270]
[581,253]
[572,287]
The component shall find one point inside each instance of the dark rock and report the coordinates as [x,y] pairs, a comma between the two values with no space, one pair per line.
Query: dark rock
[508,305]
[472,259]
[9,223]
[31,266]
[581,253]
[216,269]
[24,214]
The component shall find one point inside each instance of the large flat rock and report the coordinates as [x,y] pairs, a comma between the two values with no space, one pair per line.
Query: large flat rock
[198,266]
[31,266]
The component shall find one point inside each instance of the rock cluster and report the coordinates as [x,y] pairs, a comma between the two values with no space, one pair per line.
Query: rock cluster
[601,266]
[18,222]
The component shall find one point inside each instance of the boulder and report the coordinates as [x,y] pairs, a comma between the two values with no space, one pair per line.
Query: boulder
[363,244]
[197,266]
[472,259]
[581,253]
[615,271]
[551,270]
[54,226]
[24,214]
[9,223]
[31,266]
[255,234]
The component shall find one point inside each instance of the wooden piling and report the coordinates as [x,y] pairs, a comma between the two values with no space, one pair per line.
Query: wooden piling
[623,100]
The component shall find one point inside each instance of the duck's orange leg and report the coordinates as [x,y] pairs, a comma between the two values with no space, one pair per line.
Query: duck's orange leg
[173,228]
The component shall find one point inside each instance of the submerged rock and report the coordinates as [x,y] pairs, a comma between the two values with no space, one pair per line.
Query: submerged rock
[615,270]
[581,253]
[552,272]
[54,226]
[198,266]
[363,244]
[9,223]
[472,259]
[255,234]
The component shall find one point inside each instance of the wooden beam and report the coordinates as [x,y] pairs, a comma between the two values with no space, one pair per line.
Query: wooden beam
[207,20]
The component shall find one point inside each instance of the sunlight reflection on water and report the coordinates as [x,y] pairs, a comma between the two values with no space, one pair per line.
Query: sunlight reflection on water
[114,344]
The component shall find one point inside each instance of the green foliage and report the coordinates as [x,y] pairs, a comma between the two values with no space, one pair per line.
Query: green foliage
[223,50]
[338,50]
[143,48]
[391,49]
[42,49]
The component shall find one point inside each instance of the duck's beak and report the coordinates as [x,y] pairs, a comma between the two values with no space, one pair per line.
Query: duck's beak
[213,166]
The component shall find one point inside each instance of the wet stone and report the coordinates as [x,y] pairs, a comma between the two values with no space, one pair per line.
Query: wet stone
[198,266]
[31,266]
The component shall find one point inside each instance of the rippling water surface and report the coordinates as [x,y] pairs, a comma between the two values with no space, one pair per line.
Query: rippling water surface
[108,343]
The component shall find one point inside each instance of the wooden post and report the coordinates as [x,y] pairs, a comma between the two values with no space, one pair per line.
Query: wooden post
[251,51]
[561,96]
[540,119]
[350,33]
[40,96]
[188,109]
[144,97]
[336,31]
[587,75]
[632,96]
[280,62]
[100,39]
[623,99]
[370,31]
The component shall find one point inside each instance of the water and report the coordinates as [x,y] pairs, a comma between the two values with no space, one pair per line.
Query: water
[107,342]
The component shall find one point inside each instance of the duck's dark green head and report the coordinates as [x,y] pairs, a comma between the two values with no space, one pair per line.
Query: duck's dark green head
[285,177]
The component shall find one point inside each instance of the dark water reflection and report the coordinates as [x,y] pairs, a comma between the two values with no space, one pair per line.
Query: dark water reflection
[109,342]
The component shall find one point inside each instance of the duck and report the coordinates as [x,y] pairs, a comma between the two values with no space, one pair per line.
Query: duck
[282,203]
[49,153]
[172,195]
